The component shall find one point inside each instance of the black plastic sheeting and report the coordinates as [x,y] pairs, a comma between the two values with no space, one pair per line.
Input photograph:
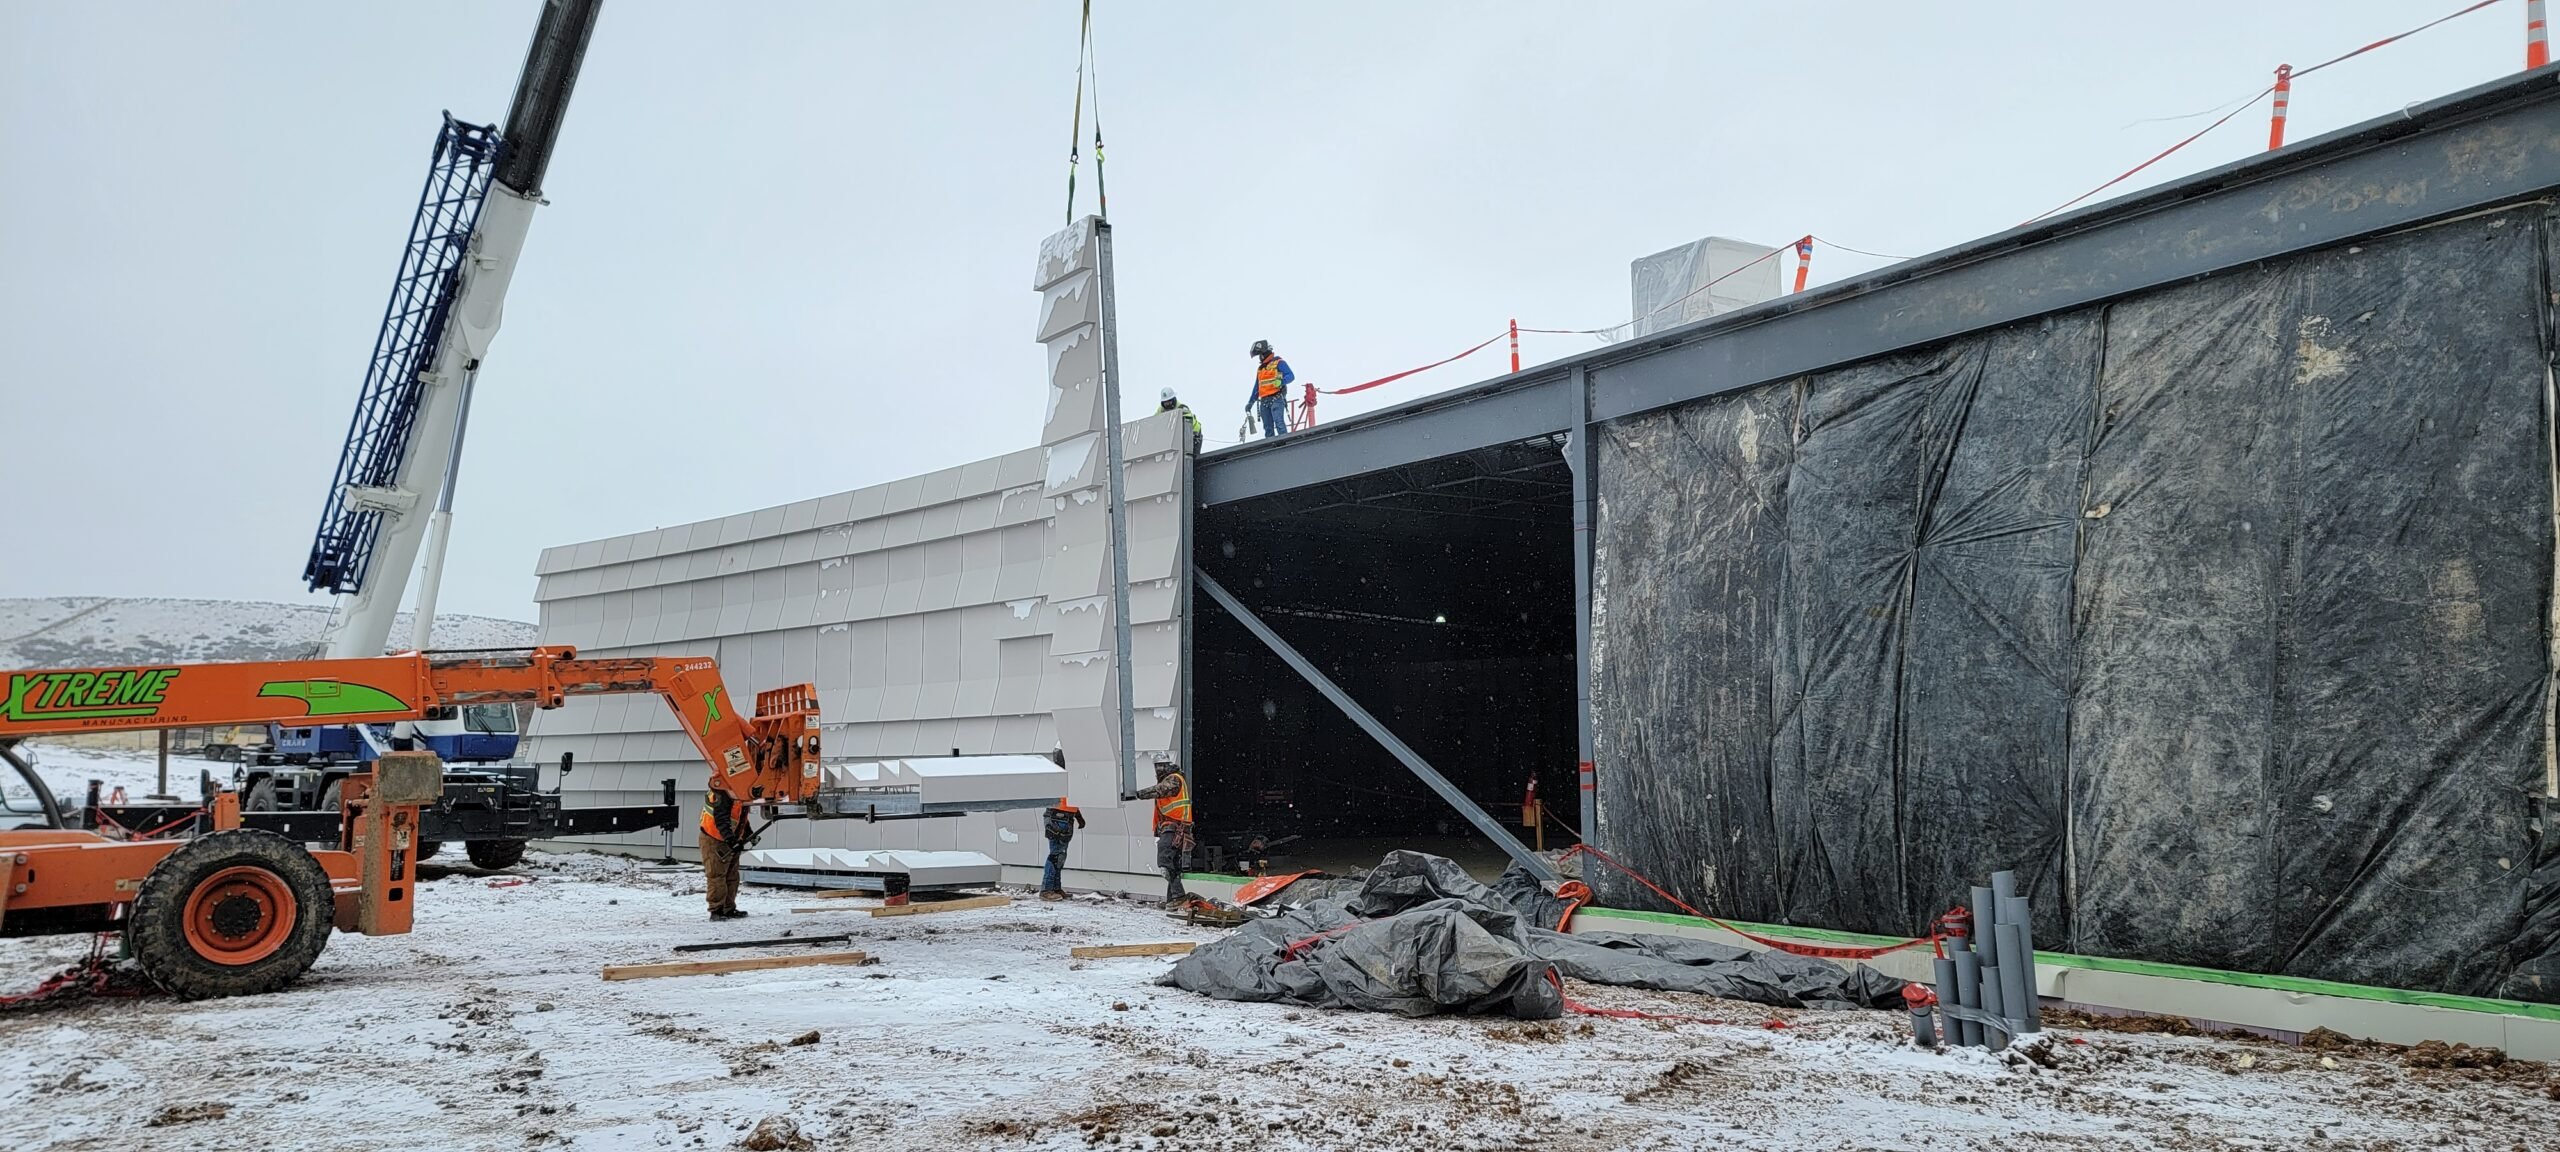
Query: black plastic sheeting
[2219,613]
[1419,937]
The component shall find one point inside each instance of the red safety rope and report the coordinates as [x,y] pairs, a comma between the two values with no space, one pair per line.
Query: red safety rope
[1802,246]
[1859,251]
[1575,894]
[2262,94]
[1513,331]
[1363,387]
[1297,949]
[1825,951]
[94,975]
[1684,298]
[1581,1009]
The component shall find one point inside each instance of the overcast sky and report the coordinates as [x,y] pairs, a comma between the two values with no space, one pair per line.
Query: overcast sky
[789,245]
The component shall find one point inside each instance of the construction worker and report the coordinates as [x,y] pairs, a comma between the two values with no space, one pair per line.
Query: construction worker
[1171,403]
[1059,824]
[724,839]
[1172,795]
[1271,380]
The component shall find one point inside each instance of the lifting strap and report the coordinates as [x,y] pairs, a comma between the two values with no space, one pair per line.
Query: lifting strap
[1075,131]
[1093,58]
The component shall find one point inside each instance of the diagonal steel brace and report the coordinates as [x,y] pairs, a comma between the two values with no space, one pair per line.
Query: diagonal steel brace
[1501,837]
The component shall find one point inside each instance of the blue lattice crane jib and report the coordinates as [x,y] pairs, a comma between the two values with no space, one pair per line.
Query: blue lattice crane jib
[466,157]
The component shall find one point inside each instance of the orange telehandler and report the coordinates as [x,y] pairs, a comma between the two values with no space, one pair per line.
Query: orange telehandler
[237,910]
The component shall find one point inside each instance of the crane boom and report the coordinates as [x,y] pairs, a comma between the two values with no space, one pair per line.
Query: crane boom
[446,304]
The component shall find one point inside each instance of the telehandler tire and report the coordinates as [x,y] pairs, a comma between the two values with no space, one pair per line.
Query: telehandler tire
[496,854]
[427,849]
[231,913]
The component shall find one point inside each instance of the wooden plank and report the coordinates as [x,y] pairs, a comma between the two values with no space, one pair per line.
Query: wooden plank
[749,964]
[919,909]
[1100,951]
[828,908]
[841,893]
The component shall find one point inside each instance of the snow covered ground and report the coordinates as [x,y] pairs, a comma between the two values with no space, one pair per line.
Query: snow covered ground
[489,1028]
[82,631]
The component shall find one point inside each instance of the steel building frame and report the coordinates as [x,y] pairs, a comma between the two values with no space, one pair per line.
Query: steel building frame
[2493,145]
[2487,147]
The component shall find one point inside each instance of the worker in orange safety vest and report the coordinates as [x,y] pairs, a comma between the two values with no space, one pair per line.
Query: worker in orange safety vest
[1058,825]
[1270,397]
[724,839]
[1172,794]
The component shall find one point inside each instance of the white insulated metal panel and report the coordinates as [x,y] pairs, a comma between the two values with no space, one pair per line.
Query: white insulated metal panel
[921,608]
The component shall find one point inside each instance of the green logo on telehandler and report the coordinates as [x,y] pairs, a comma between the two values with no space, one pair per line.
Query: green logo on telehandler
[335,698]
[99,695]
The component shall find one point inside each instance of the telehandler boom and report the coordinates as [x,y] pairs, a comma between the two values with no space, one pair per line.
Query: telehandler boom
[237,910]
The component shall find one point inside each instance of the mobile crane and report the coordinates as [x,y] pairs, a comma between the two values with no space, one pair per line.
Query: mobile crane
[392,494]
[230,910]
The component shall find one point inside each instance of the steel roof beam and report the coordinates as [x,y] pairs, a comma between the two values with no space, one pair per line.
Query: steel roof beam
[2494,145]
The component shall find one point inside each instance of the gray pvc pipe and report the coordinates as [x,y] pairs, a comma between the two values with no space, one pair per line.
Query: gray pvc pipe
[2018,995]
[2004,885]
[1944,968]
[1986,943]
[1992,986]
[2015,911]
[1968,990]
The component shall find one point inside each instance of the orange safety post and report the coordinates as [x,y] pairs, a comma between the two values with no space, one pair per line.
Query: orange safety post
[1515,345]
[1804,261]
[1307,403]
[2284,101]
[2537,36]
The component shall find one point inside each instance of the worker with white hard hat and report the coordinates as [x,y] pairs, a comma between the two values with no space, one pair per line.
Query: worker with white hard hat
[1173,403]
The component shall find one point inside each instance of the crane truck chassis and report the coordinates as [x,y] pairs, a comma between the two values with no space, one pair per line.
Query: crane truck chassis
[224,909]
[493,810]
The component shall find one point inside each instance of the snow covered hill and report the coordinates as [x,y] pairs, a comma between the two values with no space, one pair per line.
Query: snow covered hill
[84,631]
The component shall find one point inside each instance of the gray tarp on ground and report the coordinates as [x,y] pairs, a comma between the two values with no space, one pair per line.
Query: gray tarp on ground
[1421,937]
[2219,613]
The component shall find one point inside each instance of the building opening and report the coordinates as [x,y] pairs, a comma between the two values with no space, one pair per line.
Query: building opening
[1440,597]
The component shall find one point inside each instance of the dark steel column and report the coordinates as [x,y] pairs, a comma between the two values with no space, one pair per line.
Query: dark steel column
[1581,458]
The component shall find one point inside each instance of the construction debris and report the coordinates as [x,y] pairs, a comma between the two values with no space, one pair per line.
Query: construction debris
[1420,937]
[1208,913]
[1105,951]
[748,964]
[188,1114]
[776,1134]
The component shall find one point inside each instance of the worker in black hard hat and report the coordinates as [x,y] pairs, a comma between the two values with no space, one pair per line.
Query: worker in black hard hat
[1270,399]
[1173,403]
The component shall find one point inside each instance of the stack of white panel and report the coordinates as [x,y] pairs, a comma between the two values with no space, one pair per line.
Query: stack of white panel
[922,869]
[956,783]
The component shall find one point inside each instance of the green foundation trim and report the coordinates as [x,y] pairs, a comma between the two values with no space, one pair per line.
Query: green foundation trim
[2142,968]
